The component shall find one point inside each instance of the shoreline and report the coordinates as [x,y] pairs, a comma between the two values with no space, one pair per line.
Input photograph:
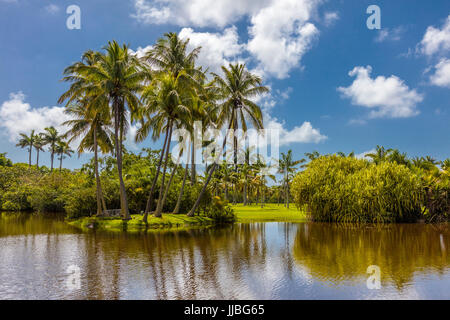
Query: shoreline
[244,214]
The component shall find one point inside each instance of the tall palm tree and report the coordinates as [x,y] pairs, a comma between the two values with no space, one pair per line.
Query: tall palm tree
[51,138]
[91,125]
[236,89]
[115,79]
[287,166]
[27,142]
[169,54]
[39,146]
[63,149]
[164,109]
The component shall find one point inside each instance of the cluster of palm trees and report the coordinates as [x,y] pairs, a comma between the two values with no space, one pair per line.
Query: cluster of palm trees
[162,91]
[51,138]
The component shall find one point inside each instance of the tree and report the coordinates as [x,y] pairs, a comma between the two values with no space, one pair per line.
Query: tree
[27,142]
[39,146]
[91,125]
[63,149]
[235,89]
[381,154]
[115,79]
[164,109]
[51,138]
[168,55]
[288,167]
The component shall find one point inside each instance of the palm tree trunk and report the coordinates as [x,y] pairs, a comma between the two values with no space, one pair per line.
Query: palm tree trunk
[60,162]
[211,171]
[118,142]
[148,208]
[287,193]
[180,196]
[97,178]
[158,211]
[52,158]
[193,173]
[37,159]
[170,181]
[29,156]
[245,193]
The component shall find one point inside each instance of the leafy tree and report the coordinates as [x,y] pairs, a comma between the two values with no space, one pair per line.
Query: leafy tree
[27,142]
[51,137]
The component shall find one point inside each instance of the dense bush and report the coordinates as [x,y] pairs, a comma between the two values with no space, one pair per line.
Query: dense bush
[220,211]
[346,189]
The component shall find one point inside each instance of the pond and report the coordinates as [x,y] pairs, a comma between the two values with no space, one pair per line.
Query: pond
[40,255]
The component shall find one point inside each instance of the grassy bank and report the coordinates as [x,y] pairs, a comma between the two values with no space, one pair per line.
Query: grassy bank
[135,224]
[244,214]
[270,212]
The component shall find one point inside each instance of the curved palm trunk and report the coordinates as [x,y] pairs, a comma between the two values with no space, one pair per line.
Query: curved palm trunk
[168,185]
[158,211]
[211,171]
[148,207]
[180,195]
[118,142]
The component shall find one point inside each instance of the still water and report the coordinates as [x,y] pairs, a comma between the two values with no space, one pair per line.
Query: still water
[243,261]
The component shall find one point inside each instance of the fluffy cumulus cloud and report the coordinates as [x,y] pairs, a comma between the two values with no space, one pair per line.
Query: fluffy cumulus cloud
[441,77]
[218,49]
[386,97]
[199,13]
[436,40]
[140,52]
[279,34]
[330,18]
[387,34]
[18,116]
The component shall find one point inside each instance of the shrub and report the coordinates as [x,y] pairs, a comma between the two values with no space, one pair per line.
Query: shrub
[220,211]
[346,189]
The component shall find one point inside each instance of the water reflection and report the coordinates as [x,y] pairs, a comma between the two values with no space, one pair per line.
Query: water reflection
[244,261]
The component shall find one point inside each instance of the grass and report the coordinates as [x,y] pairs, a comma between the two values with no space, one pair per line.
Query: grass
[179,221]
[270,212]
[244,214]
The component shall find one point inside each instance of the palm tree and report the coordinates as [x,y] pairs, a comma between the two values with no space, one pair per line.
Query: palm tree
[39,146]
[381,154]
[51,138]
[164,109]
[63,149]
[236,90]
[168,55]
[27,142]
[92,126]
[115,79]
[288,167]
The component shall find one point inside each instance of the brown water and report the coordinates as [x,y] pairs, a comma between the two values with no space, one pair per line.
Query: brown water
[244,261]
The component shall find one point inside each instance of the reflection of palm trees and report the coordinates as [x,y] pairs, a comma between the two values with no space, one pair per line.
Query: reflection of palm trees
[336,253]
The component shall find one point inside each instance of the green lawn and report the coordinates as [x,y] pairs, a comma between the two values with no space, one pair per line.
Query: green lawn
[270,212]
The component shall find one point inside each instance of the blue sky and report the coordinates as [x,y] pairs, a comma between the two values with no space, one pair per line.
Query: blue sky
[335,84]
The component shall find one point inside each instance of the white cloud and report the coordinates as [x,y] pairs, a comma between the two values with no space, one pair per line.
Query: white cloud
[362,155]
[52,8]
[436,40]
[140,52]
[19,117]
[386,97]
[330,18]
[441,77]
[389,34]
[280,32]
[299,134]
[200,13]
[218,49]
[280,35]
